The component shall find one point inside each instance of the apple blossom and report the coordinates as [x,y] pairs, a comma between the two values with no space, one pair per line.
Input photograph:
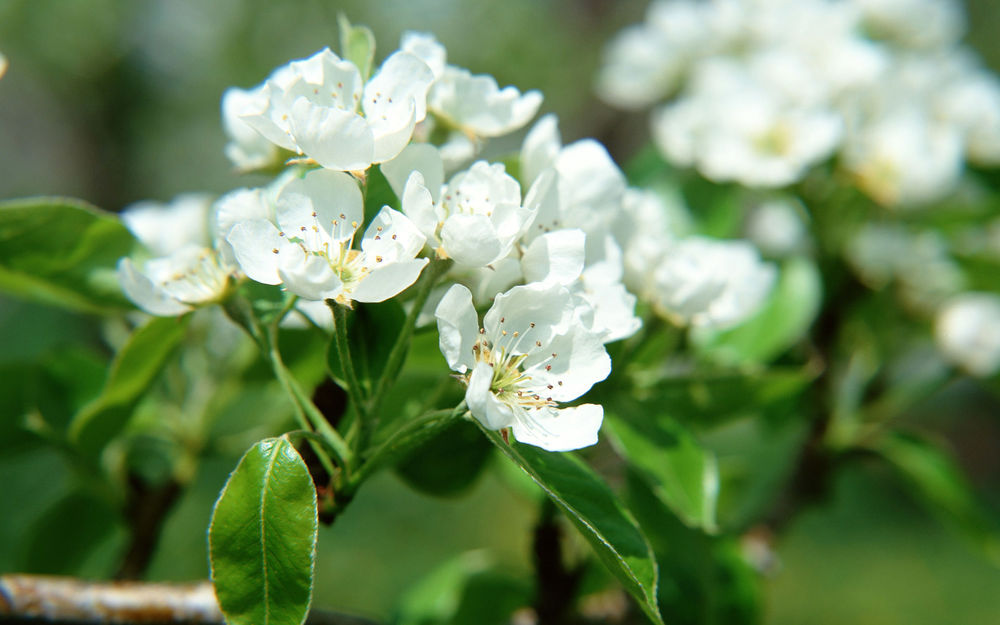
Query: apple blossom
[310,252]
[968,332]
[529,357]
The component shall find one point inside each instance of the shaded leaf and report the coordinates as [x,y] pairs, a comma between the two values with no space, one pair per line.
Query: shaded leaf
[64,536]
[262,538]
[132,371]
[62,252]
[448,464]
[372,330]
[703,579]
[940,485]
[596,512]
[682,474]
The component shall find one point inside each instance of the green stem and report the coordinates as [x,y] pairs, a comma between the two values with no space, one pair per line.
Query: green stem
[346,360]
[309,415]
[432,274]
[407,437]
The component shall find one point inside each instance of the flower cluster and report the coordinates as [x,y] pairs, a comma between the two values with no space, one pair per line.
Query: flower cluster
[761,90]
[548,252]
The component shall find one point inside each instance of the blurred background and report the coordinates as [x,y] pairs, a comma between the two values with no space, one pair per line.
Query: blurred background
[116,101]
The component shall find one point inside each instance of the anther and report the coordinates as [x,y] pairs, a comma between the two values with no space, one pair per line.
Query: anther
[548,367]
[516,333]
[393,237]
[378,259]
[275,250]
[538,343]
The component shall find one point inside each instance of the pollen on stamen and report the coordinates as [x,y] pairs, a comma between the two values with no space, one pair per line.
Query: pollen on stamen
[532,324]
[538,343]
[275,250]
[504,332]
[354,224]
[516,334]
[378,228]
[343,216]
[502,319]
[553,355]
[314,213]
[482,330]
[393,237]
[302,228]
[281,233]
[550,387]
[378,259]
[559,382]
[378,238]
[548,367]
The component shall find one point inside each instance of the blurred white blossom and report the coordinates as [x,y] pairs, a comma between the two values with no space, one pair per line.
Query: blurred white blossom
[968,332]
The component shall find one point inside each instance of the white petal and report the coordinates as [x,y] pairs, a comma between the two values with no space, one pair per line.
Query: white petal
[402,78]
[477,104]
[540,148]
[392,131]
[270,121]
[388,281]
[426,48]
[534,311]
[458,328]
[418,205]
[321,204]
[309,276]
[254,243]
[560,430]
[145,294]
[485,407]
[392,236]
[555,257]
[543,200]
[334,137]
[421,157]
[580,361]
[471,240]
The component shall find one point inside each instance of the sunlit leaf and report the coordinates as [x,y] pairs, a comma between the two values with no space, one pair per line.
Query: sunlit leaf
[595,510]
[262,539]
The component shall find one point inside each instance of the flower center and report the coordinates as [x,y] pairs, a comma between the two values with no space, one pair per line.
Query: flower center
[510,384]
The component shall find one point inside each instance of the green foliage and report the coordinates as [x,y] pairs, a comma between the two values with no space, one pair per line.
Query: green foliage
[134,368]
[681,473]
[62,252]
[939,484]
[596,512]
[448,464]
[372,331]
[262,539]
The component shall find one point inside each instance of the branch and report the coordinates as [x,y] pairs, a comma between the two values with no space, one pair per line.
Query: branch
[146,509]
[66,600]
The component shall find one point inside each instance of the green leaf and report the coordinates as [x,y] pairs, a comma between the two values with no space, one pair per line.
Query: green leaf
[60,540]
[372,330]
[682,474]
[938,483]
[262,538]
[706,401]
[467,590]
[783,321]
[132,372]
[703,579]
[595,510]
[62,252]
[357,45]
[448,464]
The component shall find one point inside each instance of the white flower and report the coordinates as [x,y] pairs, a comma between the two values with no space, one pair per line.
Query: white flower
[776,226]
[585,188]
[311,254]
[166,228]
[528,358]
[174,284]
[247,149]
[733,128]
[710,283]
[904,158]
[319,107]
[968,332]
[3,65]
[474,104]
[474,219]
[185,271]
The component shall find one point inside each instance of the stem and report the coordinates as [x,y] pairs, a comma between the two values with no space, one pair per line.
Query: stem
[434,271]
[346,361]
[306,413]
[309,415]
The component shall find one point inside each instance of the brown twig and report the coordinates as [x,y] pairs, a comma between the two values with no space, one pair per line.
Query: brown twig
[64,600]
[146,509]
